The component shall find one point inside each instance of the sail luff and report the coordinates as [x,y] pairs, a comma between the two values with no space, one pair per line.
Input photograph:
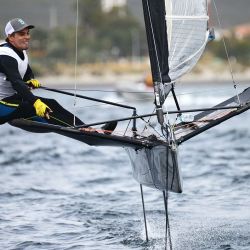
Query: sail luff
[156,29]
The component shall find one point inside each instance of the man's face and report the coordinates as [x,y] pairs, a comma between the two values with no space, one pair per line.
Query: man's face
[20,39]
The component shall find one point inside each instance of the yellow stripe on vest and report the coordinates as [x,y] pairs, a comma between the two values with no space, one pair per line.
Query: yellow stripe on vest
[9,104]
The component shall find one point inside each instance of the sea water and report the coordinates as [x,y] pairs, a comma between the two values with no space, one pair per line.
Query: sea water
[57,193]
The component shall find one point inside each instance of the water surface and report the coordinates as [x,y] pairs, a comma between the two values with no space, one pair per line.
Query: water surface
[56,193]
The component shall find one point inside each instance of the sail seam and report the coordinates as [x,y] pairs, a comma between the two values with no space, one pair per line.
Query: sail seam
[192,56]
[186,17]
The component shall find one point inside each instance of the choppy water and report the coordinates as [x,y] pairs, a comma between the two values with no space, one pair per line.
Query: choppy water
[56,193]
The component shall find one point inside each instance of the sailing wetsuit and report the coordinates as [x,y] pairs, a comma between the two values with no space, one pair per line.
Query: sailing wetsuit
[16,99]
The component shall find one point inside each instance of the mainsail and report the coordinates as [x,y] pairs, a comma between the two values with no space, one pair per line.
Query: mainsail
[187,34]
[177,33]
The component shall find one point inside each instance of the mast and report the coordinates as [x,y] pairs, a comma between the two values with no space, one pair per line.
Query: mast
[177,33]
[156,30]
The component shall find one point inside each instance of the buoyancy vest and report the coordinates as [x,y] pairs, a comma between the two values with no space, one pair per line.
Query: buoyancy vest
[6,88]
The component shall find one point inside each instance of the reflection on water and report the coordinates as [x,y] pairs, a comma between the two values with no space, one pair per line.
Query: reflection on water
[56,193]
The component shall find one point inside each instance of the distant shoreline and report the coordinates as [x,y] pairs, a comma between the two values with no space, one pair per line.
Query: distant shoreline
[128,79]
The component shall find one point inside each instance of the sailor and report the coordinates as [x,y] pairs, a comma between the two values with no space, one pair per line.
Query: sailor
[17,81]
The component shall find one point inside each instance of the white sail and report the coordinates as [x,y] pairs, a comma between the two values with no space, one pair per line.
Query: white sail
[187,34]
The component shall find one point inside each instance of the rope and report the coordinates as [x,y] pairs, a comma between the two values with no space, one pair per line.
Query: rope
[53,117]
[59,120]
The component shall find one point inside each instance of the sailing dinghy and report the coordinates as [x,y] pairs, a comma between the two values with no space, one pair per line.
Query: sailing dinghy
[177,34]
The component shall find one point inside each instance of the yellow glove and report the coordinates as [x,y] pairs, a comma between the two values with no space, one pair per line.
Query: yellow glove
[41,108]
[34,83]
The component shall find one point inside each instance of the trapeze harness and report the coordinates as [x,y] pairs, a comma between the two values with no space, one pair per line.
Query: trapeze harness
[16,100]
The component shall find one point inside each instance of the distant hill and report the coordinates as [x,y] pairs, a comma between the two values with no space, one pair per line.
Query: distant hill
[41,13]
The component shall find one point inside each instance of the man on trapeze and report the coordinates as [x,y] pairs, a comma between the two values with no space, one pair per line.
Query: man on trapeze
[17,80]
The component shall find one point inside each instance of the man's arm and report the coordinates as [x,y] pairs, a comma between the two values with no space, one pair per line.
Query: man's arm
[9,67]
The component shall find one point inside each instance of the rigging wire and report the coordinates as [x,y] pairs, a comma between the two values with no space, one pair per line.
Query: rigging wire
[107,91]
[76,56]
[148,122]
[148,125]
[127,127]
[212,90]
[227,54]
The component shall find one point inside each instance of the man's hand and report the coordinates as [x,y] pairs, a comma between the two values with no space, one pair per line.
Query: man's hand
[34,83]
[42,109]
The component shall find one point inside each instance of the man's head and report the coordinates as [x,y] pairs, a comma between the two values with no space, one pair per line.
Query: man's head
[17,33]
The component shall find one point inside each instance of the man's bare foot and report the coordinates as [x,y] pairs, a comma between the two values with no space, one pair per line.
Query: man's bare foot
[89,129]
[107,128]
